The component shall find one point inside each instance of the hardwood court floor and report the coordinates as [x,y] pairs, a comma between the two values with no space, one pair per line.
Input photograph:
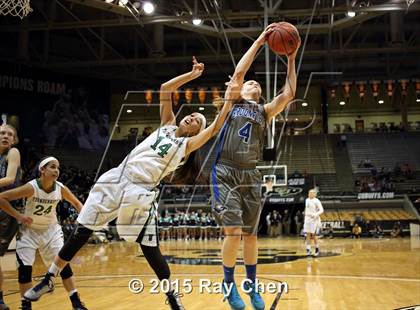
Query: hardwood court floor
[351,274]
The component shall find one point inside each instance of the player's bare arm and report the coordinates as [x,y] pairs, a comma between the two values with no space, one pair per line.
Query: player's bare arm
[70,197]
[20,192]
[279,103]
[245,63]
[167,116]
[13,160]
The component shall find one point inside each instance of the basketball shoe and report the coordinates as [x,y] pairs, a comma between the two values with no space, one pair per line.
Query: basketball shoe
[76,302]
[256,301]
[234,299]
[45,286]
[174,301]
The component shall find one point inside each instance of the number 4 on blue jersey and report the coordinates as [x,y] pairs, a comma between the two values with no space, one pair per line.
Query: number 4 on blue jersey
[245,132]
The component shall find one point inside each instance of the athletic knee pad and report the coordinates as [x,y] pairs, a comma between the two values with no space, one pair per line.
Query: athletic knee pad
[24,271]
[156,260]
[79,236]
[24,274]
[66,272]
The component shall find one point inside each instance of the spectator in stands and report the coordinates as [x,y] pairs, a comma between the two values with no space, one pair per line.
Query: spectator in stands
[299,222]
[374,172]
[397,171]
[407,171]
[287,220]
[378,232]
[50,128]
[275,220]
[132,138]
[393,128]
[268,223]
[329,231]
[396,230]
[146,132]
[389,187]
[367,163]
[343,140]
[69,124]
[383,127]
[356,231]
[296,174]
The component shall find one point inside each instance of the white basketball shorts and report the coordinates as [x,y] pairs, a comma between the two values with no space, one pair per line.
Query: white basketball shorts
[48,242]
[114,196]
[310,226]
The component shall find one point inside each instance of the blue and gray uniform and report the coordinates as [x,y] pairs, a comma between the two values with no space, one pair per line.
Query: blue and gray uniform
[8,224]
[236,183]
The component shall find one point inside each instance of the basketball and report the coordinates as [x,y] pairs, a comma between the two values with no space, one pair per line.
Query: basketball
[284,39]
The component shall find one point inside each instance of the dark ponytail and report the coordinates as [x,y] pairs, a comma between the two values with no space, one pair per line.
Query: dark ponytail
[189,173]
[197,169]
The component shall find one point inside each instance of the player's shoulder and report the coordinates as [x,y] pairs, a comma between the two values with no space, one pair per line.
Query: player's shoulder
[168,127]
[13,152]
[59,184]
[33,183]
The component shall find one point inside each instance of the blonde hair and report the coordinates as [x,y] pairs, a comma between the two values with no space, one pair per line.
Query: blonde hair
[15,135]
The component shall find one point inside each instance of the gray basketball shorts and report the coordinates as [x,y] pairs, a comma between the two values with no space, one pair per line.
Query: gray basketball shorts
[236,197]
[8,227]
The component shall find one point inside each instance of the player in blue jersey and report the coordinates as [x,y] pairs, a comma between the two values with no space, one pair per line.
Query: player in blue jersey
[236,183]
[10,175]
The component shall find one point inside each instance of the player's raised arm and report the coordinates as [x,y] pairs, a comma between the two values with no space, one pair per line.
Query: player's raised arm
[245,63]
[167,116]
[20,192]
[278,104]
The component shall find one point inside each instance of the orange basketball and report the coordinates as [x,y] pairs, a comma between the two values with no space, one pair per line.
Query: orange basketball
[284,39]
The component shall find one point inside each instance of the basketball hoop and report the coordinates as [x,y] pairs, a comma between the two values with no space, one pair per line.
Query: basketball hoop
[19,8]
[409,3]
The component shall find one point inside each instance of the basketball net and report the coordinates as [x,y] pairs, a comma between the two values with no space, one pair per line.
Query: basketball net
[19,8]
[409,2]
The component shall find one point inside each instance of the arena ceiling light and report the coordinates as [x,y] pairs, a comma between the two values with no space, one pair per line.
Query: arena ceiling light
[304,104]
[148,7]
[342,103]
[351,13]
[197,21]
[380,101]
[417,100]
[201,108]
[129,110]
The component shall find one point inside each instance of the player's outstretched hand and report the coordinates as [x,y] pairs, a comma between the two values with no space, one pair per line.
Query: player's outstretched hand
[234,87]
[264,35]
[197,69]
[292,56]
